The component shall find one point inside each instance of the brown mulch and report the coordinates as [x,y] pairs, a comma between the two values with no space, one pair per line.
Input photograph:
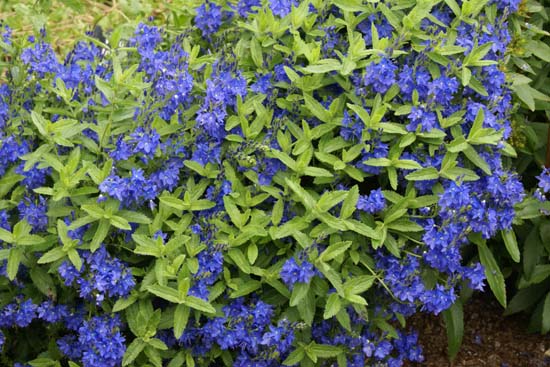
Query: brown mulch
[490,340]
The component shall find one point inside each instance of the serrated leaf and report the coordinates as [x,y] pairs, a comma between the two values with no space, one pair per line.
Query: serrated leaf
[332,307]
[133,351]
[199,304]
[423,174]
[299,292]
[181,315]
[14,259]
[334,250]
[165,292]
[317,109]
[350,203]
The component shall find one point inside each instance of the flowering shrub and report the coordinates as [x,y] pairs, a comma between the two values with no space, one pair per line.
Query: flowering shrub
[278,183]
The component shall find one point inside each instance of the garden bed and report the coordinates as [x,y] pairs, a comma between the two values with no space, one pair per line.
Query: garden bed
[490,339]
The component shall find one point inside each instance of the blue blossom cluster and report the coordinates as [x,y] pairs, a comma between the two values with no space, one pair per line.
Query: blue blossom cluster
[96,342]
[246,328]
[292,272]
[215,145]
[366,346]
[33,208]
[101,276]
[210,267]
[405,281]
[543,184]
[372,203]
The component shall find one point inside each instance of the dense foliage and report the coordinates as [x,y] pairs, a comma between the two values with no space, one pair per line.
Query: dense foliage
[262,183]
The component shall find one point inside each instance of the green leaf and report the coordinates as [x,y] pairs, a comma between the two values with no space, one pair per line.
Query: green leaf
[406,164]
[329,199]
[173,202]
[511,243]
[325,351]
[299,291]
[476,159]
[378,162]
[165,292]
[317,172]
[198,205]
[246,287]
[133,351]
[277,213]
[323,66]
[30,240]
[240,260]
[123,303]
[454,323]
[256,52]
[458,145]
[524,299]
[493,273]
[181,315]
[350,203]
[252,253]
[105,88]
[100,234]
[157,344]
[43,281]
[540,49]
[524,92]
[334,250]
[134,217]
[302,194]
[234,213]
[52,255]
[295,357]
[332,307]
[361,228]
[359,284]
[14,259]
[75,258]
[454,7]
[120,222]
[41,123]
[199,304]
[285,158]
[317,109]
[6,236]
[423,174]
[362,113]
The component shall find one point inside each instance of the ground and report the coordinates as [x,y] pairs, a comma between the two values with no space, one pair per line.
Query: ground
[490,340]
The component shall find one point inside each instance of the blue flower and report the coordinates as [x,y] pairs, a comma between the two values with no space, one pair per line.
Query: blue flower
[100,342]
[380,76]
[246,7]
[292,273]
[419,116]
[146,38]
[438,299]
[544,180]
[33,210]
[373,203]
[41,59]
[282,7]
[208,18]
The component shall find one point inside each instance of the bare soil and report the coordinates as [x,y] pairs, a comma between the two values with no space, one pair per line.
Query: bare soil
[490,340]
